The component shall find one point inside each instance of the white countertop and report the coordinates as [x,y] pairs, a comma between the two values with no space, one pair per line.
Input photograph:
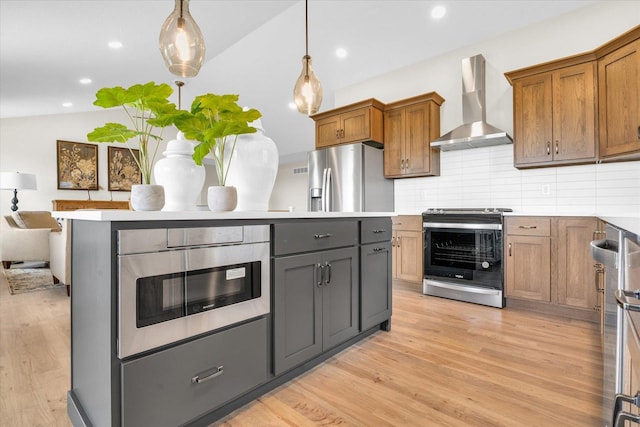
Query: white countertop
[123,215]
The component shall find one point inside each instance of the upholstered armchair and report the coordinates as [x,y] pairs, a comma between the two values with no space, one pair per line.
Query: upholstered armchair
[35,236]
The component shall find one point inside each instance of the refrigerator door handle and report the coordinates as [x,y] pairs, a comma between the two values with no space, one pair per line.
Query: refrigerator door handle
[328,192]
[323,198]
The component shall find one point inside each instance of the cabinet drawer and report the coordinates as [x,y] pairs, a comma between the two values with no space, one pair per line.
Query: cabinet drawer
[528,226]
[375,230]
[158,390]
[300,237]
[407,222]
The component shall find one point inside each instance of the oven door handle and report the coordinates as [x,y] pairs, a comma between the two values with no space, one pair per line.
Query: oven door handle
[628,300]
[465,226]
[620,416]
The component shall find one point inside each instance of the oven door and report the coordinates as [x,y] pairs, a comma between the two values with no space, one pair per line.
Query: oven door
[166,297]
[464,253]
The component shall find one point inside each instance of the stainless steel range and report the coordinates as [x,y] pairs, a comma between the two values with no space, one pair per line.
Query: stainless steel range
[463,255]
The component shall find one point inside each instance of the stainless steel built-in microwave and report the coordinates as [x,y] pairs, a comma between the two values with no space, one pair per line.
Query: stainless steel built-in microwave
[178,283]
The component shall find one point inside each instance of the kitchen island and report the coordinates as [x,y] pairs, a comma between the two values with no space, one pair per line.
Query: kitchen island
[324,278]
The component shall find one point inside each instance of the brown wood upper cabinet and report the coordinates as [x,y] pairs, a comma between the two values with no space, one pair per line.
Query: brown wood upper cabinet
[554,116]
[409,127]
[359,122]
[618,99]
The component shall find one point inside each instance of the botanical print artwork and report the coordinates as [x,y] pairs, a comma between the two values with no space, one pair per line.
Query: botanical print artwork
[123,169]
[77,166]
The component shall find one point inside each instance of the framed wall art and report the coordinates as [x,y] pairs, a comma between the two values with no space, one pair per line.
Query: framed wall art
[123,169]
[77,166]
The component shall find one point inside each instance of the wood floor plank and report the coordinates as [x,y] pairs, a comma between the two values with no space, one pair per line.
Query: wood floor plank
[444,363]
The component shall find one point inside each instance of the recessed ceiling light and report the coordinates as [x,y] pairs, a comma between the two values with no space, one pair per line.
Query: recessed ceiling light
[292,105]
[115,44]
[438,12]
[341,52]
[85,81]
[67,104]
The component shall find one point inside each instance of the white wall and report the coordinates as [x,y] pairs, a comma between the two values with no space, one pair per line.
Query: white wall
[28,144]
[290,190]
[486,177]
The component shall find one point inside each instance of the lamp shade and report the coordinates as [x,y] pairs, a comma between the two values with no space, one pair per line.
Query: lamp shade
[17,181]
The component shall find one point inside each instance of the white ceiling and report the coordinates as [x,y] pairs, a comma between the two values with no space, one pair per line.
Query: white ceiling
[254,48]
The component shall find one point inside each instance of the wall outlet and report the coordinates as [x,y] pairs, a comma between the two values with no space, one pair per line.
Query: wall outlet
[546,189]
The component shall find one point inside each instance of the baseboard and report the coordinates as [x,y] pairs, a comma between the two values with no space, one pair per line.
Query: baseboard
[554,310]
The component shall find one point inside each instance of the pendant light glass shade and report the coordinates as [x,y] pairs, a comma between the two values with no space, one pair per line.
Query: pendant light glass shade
[181,42]
[307,93]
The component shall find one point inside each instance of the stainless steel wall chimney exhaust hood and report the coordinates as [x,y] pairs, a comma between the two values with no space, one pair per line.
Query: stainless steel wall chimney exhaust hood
[475,132]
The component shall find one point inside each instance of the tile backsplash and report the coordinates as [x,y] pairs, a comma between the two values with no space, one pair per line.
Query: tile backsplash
[485,177]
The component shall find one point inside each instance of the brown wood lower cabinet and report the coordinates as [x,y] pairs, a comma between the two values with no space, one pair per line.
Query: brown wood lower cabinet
[407,250]
[548,265]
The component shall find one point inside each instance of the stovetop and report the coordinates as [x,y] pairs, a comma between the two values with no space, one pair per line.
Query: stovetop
[458,211]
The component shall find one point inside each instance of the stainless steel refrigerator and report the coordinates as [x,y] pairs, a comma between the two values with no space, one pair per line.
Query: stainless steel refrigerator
[349,178]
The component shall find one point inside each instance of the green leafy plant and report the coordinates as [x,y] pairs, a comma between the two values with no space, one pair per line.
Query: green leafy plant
[149,110]
[216,121]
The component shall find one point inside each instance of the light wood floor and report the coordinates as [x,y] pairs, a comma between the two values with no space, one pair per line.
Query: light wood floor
[444,363]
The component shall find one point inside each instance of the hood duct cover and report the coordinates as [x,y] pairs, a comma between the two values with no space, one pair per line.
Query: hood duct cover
[475,132]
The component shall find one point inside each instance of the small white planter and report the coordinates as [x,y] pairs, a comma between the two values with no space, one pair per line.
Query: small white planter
[147,197]
[222,199]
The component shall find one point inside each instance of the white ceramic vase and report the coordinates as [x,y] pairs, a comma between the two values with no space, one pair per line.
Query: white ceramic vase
[147,197]
[178,173]
[253,169]
[222,199]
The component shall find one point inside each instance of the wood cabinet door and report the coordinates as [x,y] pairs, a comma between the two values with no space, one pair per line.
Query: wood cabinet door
[575,274]
[618,101]
[340,302]
[394,143]
[355,125]
[574,113]
[417,156]
[528,268]
[533,119]
[409,263]
[327,131]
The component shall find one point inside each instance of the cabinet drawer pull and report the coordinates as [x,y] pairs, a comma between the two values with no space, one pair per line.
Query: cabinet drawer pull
[197,380]
[557,147]
[393,242]
[528,227]
[322,236]
[378,231]
[398,242]
[337,133]
[406,163]
[378,249]
[548,148]
[509,249]
[402,164]
[319,274]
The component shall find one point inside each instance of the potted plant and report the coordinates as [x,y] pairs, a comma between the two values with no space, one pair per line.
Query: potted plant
[215,121]
[149,111]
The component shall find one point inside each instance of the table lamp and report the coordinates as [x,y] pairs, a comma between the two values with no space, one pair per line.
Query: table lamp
[17,181]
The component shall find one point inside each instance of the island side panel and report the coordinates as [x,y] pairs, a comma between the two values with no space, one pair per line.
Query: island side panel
[94,367]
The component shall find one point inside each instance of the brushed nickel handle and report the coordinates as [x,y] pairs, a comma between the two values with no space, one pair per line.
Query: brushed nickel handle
[398,244]
[378,249]
[556,147]
[393,242]
[528,227]
[322,236]
[406,163]
[548,148]
[328,266]
[598,275]
[509,249]
[197,380]
[318,271]
[337,133]
[402,164]
[379,230]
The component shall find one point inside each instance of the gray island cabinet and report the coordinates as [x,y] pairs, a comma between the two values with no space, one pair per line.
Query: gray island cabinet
[326,278]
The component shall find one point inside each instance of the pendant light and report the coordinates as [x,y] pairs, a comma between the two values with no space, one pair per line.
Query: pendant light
[307,93]
[181,42]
